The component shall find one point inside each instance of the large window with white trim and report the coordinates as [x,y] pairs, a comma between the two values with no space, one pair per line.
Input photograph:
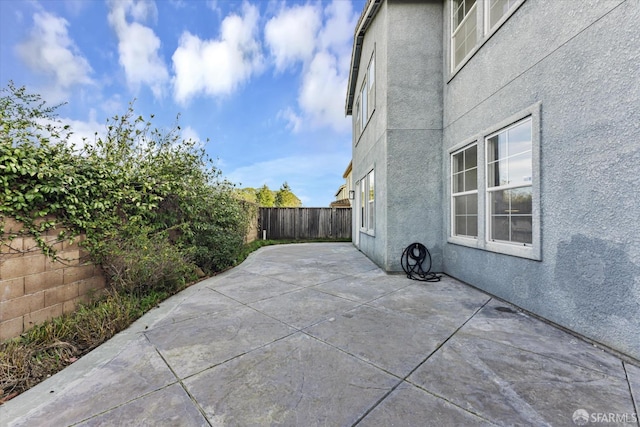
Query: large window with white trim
[463,29]
[509,184]
[495,193]
[464,192]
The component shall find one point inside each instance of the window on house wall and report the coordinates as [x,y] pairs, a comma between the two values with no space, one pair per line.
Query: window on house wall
[496,9]
[363,106]
[464,192]
[358,125]
[463,29]
[509,184]
[371,201]
[495,187]
[371,85]
[363,204]
[367,202]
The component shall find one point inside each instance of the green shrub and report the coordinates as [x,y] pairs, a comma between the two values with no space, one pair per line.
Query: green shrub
[140,261]
[137,187]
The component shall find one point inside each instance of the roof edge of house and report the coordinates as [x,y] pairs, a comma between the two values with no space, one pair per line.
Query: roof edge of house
[368,13]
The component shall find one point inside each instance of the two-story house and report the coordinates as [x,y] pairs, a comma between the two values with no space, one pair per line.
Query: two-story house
[505,136]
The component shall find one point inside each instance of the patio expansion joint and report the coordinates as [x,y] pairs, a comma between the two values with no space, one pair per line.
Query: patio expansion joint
[405,378]
[634,401]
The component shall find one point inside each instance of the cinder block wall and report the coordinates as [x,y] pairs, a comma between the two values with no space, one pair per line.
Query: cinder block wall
[33,288]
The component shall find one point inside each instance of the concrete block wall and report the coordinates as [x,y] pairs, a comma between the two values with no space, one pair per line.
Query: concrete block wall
[33,288]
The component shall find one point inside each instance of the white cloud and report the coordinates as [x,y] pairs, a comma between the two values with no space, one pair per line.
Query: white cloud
[325,52]
[218,67]
[49,50]
[188,133]
[85,132]
[337,33]
[138,45]
[81,133]
[291,35]
[294,121]
[322,93]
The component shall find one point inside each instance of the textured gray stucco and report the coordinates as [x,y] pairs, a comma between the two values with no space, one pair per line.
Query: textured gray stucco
[578,65]
[403,135]
[584,72]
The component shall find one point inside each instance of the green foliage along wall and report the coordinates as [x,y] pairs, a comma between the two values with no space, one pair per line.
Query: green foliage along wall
[138,187]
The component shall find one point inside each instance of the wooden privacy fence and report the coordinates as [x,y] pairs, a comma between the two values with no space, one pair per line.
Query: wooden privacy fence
[305,223]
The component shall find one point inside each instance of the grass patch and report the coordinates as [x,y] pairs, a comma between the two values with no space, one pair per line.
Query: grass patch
[49,347]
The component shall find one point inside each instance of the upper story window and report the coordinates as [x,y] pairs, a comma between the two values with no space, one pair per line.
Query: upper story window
[496,9]
[364,112]
[371,85]
[464,29]
[366,97]
[473,22]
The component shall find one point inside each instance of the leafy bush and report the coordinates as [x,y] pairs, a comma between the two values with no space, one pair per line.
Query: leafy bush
[149,203]
[137,261]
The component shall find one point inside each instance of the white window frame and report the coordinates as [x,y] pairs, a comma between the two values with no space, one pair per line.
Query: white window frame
[507,186]
[367,203]
[364,114]
[512,5]
[472,13]
[358,121]
[484,31]
[530,251]
[463,193]
[371,85]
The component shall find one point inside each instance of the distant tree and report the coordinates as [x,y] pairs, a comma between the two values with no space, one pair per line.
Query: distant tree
[285,198]
[265,197]
[249,194]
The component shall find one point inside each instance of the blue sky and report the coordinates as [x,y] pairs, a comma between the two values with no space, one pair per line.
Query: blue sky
[265,81]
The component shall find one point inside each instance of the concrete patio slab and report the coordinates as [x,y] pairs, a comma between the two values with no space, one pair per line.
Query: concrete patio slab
[410,406]
[254,287]
[196,344]
[633,375]
[294,381]
[446,302]
[316,334]
[170,406]
[303,307]
[518,386]
[390,340]
[503,323]
[204,301]
[135,371]
[361,289]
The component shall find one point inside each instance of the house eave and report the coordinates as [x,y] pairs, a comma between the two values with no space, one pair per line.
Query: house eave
[369,12]
[348,170]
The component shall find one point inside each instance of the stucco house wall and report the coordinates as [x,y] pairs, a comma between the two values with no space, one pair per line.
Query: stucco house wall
[573,68]
[396,137]
[582,74]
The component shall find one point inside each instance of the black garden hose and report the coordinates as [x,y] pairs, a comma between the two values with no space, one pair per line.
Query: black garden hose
[413,258]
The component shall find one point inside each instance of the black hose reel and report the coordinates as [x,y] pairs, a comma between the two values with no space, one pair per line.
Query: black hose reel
[416,262]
